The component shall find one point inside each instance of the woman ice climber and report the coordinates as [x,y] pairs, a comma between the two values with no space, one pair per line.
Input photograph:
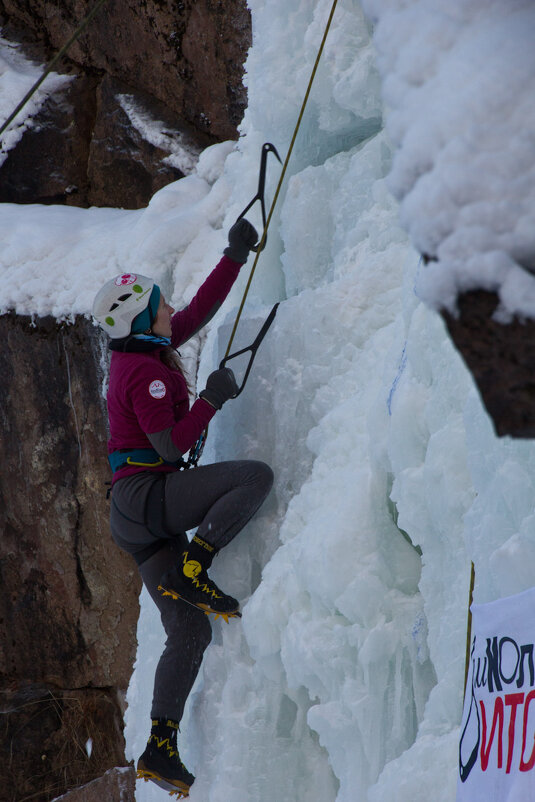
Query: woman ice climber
[154,502]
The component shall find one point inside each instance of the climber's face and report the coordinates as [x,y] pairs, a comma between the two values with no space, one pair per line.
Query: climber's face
[162,322]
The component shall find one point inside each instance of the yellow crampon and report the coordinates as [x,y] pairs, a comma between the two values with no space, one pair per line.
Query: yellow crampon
[225,616]
[145,774]
[205,609]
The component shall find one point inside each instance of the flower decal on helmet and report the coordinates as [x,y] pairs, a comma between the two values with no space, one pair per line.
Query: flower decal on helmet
[125,279]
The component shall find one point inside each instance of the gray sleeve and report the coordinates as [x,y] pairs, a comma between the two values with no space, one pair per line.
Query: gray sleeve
[164,445]
[215,308]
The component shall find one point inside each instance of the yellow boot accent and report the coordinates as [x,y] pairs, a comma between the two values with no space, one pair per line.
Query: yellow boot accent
[191,568]
[204,608]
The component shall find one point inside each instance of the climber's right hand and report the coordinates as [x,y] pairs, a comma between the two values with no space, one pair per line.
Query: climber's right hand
[241,239]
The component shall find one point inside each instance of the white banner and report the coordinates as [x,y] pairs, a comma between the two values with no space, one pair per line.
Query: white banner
[497,741]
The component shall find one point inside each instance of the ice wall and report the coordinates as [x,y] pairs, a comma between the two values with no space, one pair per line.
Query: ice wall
[344,681]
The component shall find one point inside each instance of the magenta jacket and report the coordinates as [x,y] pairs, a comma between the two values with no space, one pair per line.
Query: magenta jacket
[145,396]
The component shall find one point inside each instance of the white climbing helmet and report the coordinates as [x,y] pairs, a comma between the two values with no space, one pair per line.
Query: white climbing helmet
[121,300]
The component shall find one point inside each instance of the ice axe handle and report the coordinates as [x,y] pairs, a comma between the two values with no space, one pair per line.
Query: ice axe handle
[253,348]
[267,147]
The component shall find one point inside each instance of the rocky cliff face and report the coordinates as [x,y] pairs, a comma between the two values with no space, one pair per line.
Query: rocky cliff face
[69,598]
[501,359]
[139,67]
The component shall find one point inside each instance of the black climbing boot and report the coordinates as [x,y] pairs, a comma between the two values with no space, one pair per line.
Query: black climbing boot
[190,582]
[160,762]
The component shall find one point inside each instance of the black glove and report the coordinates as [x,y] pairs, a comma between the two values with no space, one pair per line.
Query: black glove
[241,238]
[220,386]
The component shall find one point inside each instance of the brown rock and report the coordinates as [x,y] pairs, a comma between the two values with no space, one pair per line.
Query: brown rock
[181,62]
[214,46]
[123,168]
[49,164]
[84,151]
[501,358]
[117,785]
[69,596]
[157,46]
[53,740]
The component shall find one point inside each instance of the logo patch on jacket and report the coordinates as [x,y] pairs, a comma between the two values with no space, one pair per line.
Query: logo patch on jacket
[157,389]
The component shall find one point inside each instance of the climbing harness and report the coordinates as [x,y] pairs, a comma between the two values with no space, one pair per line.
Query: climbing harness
[139,458]
[79,30]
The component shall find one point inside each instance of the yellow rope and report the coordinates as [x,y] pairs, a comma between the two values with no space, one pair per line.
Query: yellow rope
[84,23]
[282,176]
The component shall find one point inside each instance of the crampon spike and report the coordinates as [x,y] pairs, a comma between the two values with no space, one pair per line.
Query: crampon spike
[174,595]
[143,774]
[168,593]
[225,616]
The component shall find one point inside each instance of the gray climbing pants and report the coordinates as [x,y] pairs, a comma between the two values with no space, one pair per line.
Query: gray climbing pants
[149,515]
